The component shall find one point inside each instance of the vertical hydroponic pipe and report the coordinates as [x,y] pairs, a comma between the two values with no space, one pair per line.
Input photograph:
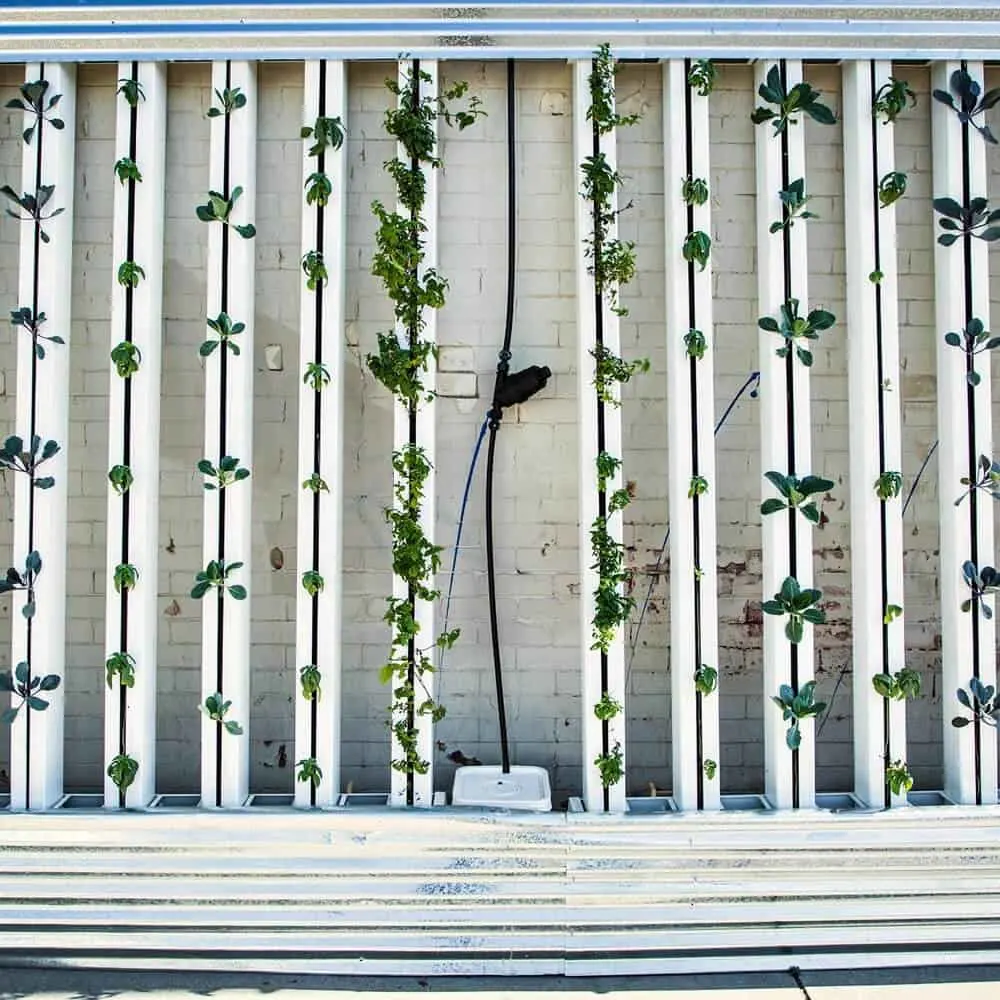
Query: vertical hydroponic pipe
[321,438]
[785,426]
[878,645]
[42,409]
[225,759]
[131,614]
[691,481]
[962,296]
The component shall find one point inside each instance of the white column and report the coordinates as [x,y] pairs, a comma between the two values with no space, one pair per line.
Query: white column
[423,784]
[321,444]
[960,271]
[134,430]
[594,742]
[775,385]
[42,408]
[230,290]
[875,432]
[690,410]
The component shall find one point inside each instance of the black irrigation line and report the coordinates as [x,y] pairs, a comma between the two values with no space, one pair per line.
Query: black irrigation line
[970,409]
[880,377]
[127,428]
[220,632]
[33,422]
[790,422]
[695,468]
[317,436]
[602,499]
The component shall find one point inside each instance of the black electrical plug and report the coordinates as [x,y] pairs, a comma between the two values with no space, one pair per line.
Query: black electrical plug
[521,386]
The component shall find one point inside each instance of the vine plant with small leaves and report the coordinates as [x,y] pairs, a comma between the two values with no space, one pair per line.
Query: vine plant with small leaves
[611,265]
[400,362]
[24,455]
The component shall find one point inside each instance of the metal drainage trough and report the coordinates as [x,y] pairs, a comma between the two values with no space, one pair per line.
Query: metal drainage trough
[838,801]
[927,798]
[176,800]
[745,803]
[270,801]
[81,800]
[355,800]
[4,801]
[639,805]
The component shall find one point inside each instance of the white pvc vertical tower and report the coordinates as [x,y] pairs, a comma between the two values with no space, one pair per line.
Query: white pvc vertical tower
[423,784]
[230,289]
[593,731]
[45,286]
[143,322]
[690,409]
[961,292]
[321,443]
[875,430]
[777,434]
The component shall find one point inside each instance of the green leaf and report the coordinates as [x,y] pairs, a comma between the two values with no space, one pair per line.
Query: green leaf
[233,728]
[773,506]
[793,628]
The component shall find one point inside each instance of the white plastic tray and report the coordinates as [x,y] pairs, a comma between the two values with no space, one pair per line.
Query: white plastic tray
[488,787]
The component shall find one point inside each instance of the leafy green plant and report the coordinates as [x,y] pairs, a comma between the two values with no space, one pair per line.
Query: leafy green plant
[982,583]
[968,101]
[611,605]
[611,766]
[126,357]
[875,277]
[611,370]
[34,101]
[795,707]
[126,576]
[975,220]
[798,605]
[888,485]
[973,340]
[326,133]
[706,679]
[130,274]
[34,206]
[316,483]
[607,467]
[15,457]
[709,768]
[891,100]
[789,104]
[312,582]
[697,487]
[695,344]
[127,170]
[25,691]
[123,770]
[122,666]
[227,330]
[23,580]
[891,188]
[227,473]
[607,708]
[795,494]
[694,191]
[310,680]
[793,206]
[314,268]
[795,329]
[219,208]
[982,701]
[216,575]
[32,322]
[701,77]
[132,91]
[121,479]
[316,376]
[309,770]
[899,686]
[696,249]
[988,479]
[216,709]
[230,99]
[319,189]
[892,612]
[898,777]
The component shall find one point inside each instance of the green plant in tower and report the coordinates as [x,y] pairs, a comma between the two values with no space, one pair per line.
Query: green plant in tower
[697,487]
[121,479]
[793,206]
[611,766]
[314,268]
[982,583]
[892,612]
[607,708]
[34,100]
[312,583]
[35,206]
[611,605]
[796,494]
[15,457]
[326,133]
[798,605]
[226,330]
[127,170]
[216,576]
[694,191]
[122,666]
[310,680]
[982,701]
[25,691]
[216,709]
[695,344]
[309,770]
[975,220]
[900,686]
[696,249]
[32,322]
[126,576]
[710,767]
[701,77]
[317,376]
[988,479]
[132,91]
[789,104]
[126,358]
[888,485]
[796,706]
[130,274]
[795,330]
[611,371]
[891,188]
[968,101]
[319,189]
[316,483]
[898,777]
[219,208]
[891,100]
[227,473]
[706,679]
[122,771]
[230,99]
[974,339]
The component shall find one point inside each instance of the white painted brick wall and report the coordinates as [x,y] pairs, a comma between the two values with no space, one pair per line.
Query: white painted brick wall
[536,503]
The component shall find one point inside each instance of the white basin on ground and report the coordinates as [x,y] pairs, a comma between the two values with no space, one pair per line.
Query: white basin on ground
[486,787]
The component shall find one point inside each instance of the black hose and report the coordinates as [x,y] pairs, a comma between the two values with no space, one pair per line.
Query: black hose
[496,414]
